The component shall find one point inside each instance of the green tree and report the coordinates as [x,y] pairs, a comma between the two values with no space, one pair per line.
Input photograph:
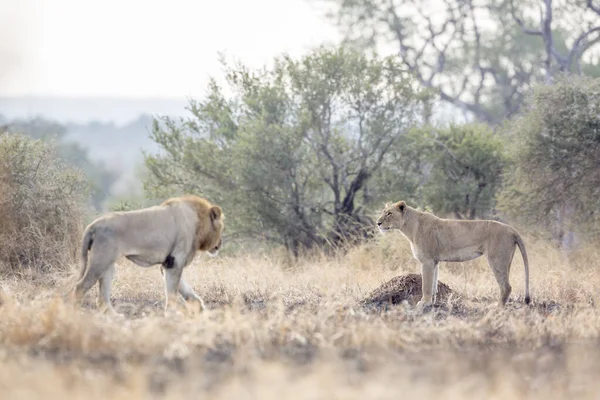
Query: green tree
[290,150]
[555,177]
[467,162]
[454,170]
[405,170]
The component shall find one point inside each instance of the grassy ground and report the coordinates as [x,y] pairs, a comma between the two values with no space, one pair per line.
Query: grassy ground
[295,332]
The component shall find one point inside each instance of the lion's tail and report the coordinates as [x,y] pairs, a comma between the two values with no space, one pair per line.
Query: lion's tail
[521,245]
[86,245]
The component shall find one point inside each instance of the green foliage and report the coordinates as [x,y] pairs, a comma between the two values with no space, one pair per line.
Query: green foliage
[466,169]
[453,171]
[404,171]
[41,205]
[99,177]
[288,152]
[556,148]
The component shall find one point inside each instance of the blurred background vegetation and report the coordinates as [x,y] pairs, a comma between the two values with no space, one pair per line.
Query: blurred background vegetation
[481,109]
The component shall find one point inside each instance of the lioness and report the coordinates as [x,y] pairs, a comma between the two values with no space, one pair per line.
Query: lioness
[168,234]
[434,239]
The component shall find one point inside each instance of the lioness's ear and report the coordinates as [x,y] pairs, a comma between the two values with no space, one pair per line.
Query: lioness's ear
[401,206]
[215,213]
[387,205]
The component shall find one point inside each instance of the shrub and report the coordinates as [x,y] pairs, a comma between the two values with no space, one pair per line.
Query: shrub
[41,206]
[466,170]
[554,181]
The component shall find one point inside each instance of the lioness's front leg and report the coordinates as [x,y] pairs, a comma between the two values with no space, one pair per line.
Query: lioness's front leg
[436,269]
[427,281]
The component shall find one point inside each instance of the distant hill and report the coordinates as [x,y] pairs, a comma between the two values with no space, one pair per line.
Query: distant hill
[85,109]
[118,146]
[114,130]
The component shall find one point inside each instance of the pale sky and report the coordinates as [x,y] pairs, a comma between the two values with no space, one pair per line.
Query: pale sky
[136,48]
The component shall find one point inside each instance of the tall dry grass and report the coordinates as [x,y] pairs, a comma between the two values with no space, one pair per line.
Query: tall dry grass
[275,330]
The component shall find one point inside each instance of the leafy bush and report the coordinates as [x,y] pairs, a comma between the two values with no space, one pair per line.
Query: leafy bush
[466,169]
[453,171]
[41,206]
[555,179]
[99,176]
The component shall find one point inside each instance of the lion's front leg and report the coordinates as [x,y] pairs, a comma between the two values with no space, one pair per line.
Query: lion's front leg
[172,280]
[188,294]
[428,277]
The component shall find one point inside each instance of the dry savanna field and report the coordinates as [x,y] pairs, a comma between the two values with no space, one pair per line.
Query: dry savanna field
[274,329]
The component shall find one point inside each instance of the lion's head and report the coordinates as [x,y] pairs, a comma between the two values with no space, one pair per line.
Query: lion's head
[210,222]
[214,240]
[392,216]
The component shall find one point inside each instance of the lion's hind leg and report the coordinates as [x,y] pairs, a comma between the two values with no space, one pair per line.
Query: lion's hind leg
[105,288]
[102,258]
[86,283]
[499,256]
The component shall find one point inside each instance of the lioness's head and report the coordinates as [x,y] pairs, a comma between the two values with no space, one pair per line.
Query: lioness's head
[392,216]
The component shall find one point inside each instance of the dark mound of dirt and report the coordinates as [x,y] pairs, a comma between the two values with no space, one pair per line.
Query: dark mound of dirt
[404,287]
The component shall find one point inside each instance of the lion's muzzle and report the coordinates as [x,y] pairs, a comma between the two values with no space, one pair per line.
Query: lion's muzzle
[215,250]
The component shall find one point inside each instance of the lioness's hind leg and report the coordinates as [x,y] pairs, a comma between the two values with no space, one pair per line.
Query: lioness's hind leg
[500,254]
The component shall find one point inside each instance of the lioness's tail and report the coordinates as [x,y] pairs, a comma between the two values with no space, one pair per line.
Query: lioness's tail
[86,245]
[521,245]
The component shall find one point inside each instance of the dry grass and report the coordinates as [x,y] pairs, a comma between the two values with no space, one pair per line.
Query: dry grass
[275,331]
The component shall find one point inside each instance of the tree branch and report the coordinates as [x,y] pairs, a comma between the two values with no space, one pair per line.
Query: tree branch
[355,186]
[548,39]
[396,26]
[578,43]
[520,22]
[593,7]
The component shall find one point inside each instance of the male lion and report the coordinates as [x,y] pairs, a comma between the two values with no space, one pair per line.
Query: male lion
[168,234]
[434,239]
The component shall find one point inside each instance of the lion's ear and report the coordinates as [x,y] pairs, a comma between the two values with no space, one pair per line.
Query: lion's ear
[215,213]
[387,205]
[401,206]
